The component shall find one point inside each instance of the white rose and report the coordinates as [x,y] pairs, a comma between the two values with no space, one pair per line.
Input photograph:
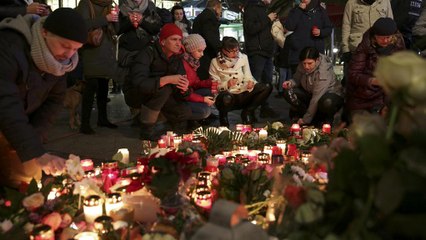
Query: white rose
[6,225]
[403,73]
[33,201]
[277,125]
[74,169]
[28,227]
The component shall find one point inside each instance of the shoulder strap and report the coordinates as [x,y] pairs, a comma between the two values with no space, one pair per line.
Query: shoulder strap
[92,11]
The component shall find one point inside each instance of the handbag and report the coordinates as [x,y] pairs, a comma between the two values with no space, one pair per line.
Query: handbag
[94,37]
[277,31]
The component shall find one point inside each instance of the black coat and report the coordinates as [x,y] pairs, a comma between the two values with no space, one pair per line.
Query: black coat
[301,22]
[257,30]
[207,25]
[12,8]
[149,66]
[29,99]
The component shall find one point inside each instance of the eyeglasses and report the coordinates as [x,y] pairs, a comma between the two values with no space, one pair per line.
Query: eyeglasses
[236,50]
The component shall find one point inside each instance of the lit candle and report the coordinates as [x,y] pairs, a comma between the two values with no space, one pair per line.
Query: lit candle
[263,158]
[54,193]
[177,141]
[282,145]
[110,174]
[243,150]
[304,157]
[204,199]
[252,155]
[204,178]
[221,159]
[86,164]
[268,150]
[169,139]
[87,236]
[162,143]
[125,153]
[245,162]
[239,127]
[326,128]
[212,164]
[263,134]
[42,232]
[113,203]
[246,128]
[187,137]
[227,153]
[295,129]
[92,208]
[230,159]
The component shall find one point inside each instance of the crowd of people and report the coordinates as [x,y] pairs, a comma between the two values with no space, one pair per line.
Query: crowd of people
[169,66]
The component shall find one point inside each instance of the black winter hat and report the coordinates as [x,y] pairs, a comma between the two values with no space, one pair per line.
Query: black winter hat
[67,23]
[384,27]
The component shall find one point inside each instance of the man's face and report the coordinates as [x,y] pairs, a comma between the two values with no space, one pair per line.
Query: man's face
[61,48]
[198,53]
[383,41]
[218,10]
[172,44]
[309,65]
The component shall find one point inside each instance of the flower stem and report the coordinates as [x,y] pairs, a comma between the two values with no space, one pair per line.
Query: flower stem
[392,121]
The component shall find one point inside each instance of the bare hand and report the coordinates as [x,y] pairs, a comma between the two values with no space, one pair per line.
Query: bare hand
[112,17]
[374,82]
[300,122]
[272,16]
[287,84]
[182,83]
[250,85]
[37,8]
[135,17]
[232,82]
[209,100]
[51,164]
[316,32]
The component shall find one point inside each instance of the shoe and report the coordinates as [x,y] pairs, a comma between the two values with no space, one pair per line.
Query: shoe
[223,119]
[268,112]
[87,130]
[247,117]
[107,124]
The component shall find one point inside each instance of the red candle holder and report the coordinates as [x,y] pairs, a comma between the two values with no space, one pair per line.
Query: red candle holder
[326,128]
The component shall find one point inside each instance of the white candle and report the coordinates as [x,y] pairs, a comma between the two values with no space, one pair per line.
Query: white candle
[263,134]
[87,236]
[282,144]
[177,141]
[268,150]
[113,203]
[125,153]
[92,208]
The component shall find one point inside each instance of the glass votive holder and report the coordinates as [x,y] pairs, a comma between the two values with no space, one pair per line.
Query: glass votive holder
[230,159]
[103,225]
[42,232]
[305,156]
[263,158]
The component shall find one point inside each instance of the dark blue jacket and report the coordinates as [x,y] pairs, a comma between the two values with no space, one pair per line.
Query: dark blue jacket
[257,30]
[301,22]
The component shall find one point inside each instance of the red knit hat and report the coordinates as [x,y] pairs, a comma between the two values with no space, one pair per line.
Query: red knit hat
[168,30]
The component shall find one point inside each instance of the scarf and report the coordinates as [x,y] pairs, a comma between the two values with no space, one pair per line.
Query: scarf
[194,63]
[385,51]
[130,6]
[102,3]
[42,57]
[226,62]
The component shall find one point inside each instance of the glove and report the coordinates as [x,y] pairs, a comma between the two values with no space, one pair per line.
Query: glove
[346,57]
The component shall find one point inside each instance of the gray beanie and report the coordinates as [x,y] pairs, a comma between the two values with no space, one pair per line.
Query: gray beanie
[67,23]
[193,42]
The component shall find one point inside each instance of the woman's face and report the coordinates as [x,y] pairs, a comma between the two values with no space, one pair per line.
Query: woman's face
[178,15]
[137,2]
[231,53]
[198,53]
[309,65]
[383,41]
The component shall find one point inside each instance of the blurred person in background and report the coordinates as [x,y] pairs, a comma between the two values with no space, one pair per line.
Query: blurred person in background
[99,63]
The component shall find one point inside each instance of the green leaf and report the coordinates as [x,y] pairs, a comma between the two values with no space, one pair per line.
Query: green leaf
[227,174]
[316,196]
[375,154]
[308,213]
[390,192]
[33,187]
